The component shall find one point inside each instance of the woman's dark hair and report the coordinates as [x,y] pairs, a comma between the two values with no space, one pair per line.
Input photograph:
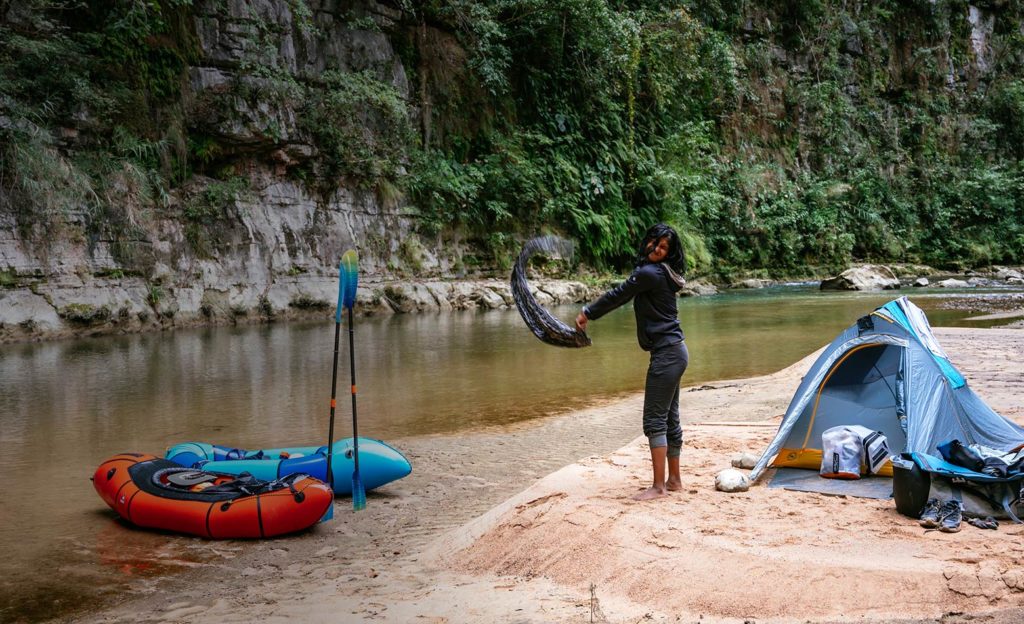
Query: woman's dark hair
[675,258]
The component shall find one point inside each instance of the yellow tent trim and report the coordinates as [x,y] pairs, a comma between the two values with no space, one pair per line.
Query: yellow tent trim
[810,459]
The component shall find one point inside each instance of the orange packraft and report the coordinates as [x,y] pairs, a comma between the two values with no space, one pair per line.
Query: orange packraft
[156,493]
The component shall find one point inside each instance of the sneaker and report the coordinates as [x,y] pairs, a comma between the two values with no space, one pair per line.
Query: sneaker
[929,517]
[950,516]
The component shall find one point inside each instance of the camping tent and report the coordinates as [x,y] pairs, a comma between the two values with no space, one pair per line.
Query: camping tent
[888,373]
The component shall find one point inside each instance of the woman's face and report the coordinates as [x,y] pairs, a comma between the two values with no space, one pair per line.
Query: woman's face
[658,250]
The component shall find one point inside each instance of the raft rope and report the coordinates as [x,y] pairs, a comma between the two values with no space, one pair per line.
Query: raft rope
[244,485]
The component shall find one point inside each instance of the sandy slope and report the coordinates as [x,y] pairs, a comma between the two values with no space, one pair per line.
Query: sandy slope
[764,554]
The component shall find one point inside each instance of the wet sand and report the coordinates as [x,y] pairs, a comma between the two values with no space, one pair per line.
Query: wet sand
[372,563]
[455,542]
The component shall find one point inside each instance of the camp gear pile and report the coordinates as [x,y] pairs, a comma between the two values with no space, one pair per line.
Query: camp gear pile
[921,475]
[983,459]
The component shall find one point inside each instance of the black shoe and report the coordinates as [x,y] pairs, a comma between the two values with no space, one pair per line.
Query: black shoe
[950,516]
[930,514]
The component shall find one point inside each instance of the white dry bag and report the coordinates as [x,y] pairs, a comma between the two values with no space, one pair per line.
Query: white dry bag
[846,447]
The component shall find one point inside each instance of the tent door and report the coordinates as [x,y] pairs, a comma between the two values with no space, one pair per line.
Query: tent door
[867,386]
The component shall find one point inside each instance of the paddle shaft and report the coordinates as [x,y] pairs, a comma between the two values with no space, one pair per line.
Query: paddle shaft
[334,389]
[352,369]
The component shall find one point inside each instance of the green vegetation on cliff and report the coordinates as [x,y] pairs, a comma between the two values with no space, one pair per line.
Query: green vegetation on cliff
[89,127]
[776,135]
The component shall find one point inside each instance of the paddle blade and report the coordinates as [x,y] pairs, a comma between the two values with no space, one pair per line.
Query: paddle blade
[342,279]
[358,493]
[350,271]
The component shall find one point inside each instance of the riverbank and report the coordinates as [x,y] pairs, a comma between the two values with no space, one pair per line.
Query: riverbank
[123,305]
[536,556]
[112,303]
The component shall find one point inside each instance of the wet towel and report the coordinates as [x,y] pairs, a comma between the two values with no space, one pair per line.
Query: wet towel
[543,325]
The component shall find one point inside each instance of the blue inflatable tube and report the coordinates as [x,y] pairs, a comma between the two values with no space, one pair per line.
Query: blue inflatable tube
[379,463]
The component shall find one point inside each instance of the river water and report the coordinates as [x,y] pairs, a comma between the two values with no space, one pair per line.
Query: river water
[66,406]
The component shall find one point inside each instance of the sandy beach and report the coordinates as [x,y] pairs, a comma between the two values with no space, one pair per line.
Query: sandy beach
[573,547]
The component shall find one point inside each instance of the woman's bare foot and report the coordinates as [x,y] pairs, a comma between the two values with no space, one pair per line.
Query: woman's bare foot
[673,485]
[650,493]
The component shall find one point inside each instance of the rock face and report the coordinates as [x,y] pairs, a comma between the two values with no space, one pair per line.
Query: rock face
[866,277]
[265,243]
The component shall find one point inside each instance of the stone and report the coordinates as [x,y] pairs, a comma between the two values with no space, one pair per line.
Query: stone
[852,44]
[442,293]
[552,293]
[24,307]
[982,25]
[562,292]
[370,303]
[952,283]
[463,296]
[744,460]
[866,277]
[731,480]
[542,297]
[410,297]
[203,78]
[1004,273]
[752,283]
[921,282]
[489,299]
[698,288]
[504,291]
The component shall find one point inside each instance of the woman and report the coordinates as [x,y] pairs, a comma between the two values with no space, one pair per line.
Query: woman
[654,284]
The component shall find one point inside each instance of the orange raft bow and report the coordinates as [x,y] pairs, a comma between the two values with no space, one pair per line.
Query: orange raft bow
[159,494]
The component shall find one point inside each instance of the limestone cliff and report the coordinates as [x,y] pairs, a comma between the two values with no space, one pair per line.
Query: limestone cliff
[262,241]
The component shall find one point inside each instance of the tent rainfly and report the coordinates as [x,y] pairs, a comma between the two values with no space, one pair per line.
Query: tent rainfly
[888,373]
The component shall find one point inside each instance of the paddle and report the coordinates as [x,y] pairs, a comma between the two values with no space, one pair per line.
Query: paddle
[334,387]
[350,269]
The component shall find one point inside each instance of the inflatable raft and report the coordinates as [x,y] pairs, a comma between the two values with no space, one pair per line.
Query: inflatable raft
[379,463]
[159,494]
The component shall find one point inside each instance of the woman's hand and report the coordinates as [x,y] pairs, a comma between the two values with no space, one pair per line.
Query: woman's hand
[581,321]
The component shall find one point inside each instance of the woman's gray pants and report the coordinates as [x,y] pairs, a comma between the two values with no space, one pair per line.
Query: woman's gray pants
[661,397]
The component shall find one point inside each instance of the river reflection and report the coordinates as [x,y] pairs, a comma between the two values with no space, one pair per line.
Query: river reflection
[66,406]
